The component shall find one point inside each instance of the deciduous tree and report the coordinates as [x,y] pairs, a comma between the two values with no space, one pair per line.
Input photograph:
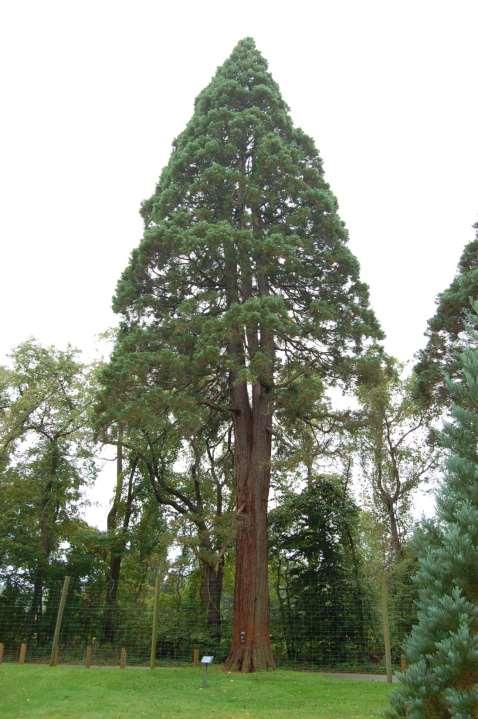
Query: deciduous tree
[396,447]
[47,455]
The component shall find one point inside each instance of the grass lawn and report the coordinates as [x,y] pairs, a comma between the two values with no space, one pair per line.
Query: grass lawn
[42,692]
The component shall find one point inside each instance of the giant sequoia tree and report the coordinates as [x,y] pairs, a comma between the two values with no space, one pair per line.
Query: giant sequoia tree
[241,299]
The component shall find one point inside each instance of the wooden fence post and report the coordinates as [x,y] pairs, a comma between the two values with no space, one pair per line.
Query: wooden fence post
[196,656]
[386,629]
[88,654]
[123,656]
[2,651]
[23,653]
[154,631]
[59,619]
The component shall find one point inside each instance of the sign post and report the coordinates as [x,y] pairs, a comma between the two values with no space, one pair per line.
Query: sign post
[205,661]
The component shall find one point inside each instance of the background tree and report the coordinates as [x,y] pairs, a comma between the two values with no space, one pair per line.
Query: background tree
[127,505]
[201,496]
[446,331]
[396,446]
[241,298]
[47,457]
[317,573]
[442,650]
[190,477]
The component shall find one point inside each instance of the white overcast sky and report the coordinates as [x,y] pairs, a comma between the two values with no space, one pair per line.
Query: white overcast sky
[93,93]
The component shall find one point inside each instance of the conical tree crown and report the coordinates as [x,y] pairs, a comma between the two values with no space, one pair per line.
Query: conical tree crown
[233,115]
[243,240]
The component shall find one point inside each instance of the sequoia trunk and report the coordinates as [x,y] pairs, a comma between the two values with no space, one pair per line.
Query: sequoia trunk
[251,647]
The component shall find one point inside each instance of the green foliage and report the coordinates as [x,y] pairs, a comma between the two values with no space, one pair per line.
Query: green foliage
[443,647]
[317,574]
[47,457]
[385,573]
[446,331]
[242,242]
[396,447]
[190,480]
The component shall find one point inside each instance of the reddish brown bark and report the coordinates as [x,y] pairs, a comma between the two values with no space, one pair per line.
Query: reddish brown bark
[252,417]
[251,647]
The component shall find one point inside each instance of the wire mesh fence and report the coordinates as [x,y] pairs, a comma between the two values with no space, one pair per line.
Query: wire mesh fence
[333,635]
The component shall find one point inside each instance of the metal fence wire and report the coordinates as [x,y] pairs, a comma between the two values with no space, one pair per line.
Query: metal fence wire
[74,627]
